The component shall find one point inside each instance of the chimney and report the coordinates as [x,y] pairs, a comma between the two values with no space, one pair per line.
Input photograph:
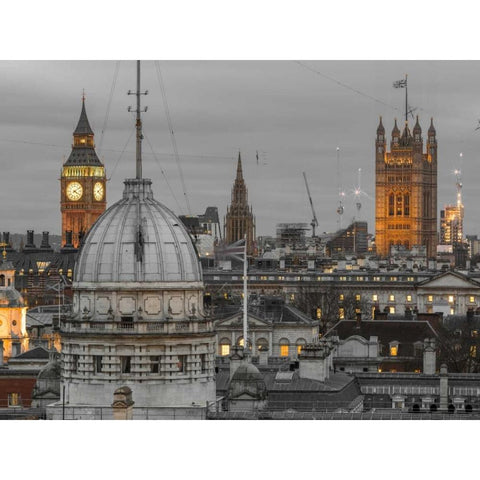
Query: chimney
[429,356]
[30,245]
[122,404]
[6,240]
[314,360]
[263,356]
[359,319]
[68,247]
[45,246]
[443,388]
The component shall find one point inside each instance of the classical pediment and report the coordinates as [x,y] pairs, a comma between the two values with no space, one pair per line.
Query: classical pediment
[449,280]
[236,321]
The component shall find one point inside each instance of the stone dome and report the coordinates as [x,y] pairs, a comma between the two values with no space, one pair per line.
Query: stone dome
[138,240]
[247,379]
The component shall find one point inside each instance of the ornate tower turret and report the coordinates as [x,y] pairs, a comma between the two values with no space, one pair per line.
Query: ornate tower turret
[83,183]
[406,191]
[239,220]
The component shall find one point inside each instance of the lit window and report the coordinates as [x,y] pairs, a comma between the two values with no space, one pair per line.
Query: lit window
[299,349]
[417,370]
[292,297]
[430,298]
[375,297]
[451,299]
[473,351]
[284,350]
[452,311]
[409,298]
[341,313]
[357,297]
[472,299]
[392,310]
[341,297]
[379,370]
[224,350]
[393,350]
[13,399]
[391,298]
[319,313]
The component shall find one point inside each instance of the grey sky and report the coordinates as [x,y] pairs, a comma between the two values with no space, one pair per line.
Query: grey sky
[293,116]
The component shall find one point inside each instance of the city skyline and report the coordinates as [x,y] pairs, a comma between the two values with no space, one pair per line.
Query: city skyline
[295,114]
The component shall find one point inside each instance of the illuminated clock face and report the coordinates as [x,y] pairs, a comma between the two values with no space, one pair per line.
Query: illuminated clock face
[98,191]
[74,191]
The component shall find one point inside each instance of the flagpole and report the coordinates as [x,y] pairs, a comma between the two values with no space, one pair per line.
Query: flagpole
[406,99]
[245,301]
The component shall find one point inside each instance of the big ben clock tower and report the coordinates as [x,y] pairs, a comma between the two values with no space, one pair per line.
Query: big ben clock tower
[83,183]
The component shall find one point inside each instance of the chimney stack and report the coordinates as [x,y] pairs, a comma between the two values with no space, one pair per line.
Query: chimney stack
[45,246]
[429,356]
[315,360]
[30,245]
[68,247]
[443,388]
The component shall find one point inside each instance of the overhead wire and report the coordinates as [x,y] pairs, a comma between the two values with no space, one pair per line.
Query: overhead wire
[163,172]
[172,133]
[107,113]
[344,85]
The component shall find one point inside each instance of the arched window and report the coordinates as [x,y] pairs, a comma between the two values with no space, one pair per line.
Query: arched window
[240,343]
[406,205]
[284,347]
[262,344]
[391,205]
[224,347]
[300,343]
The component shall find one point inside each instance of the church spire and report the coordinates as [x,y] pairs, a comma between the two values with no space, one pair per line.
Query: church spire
[239,168]
[83,126]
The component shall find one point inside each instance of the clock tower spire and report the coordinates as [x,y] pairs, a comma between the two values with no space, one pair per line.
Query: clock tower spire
[83,183]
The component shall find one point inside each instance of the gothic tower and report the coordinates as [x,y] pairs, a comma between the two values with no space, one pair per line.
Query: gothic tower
[405,189]
[83,183]
[239,220]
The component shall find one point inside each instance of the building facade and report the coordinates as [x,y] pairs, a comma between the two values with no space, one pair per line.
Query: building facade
[405,189]
[83,184]
[239,220]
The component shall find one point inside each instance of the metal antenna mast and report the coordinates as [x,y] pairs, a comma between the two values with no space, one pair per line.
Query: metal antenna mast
[341,193]
[138,123]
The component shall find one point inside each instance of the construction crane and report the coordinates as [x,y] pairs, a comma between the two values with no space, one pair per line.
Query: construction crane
[314,222]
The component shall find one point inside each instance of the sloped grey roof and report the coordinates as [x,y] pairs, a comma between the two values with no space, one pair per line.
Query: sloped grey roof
[83,156]
[34,354]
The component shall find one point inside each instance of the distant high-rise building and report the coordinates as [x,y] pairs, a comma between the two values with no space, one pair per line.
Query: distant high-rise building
[451,225]
[406,189]
[239,220]
[83,184]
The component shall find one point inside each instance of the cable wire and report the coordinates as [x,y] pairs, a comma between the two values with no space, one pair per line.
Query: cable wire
[107,113]
[172,133]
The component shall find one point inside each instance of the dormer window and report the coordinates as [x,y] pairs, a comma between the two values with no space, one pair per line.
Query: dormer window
[394,349]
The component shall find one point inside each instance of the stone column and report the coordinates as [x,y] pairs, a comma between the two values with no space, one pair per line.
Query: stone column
[122,404]
[443,388]
[1,352]
[429,357]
